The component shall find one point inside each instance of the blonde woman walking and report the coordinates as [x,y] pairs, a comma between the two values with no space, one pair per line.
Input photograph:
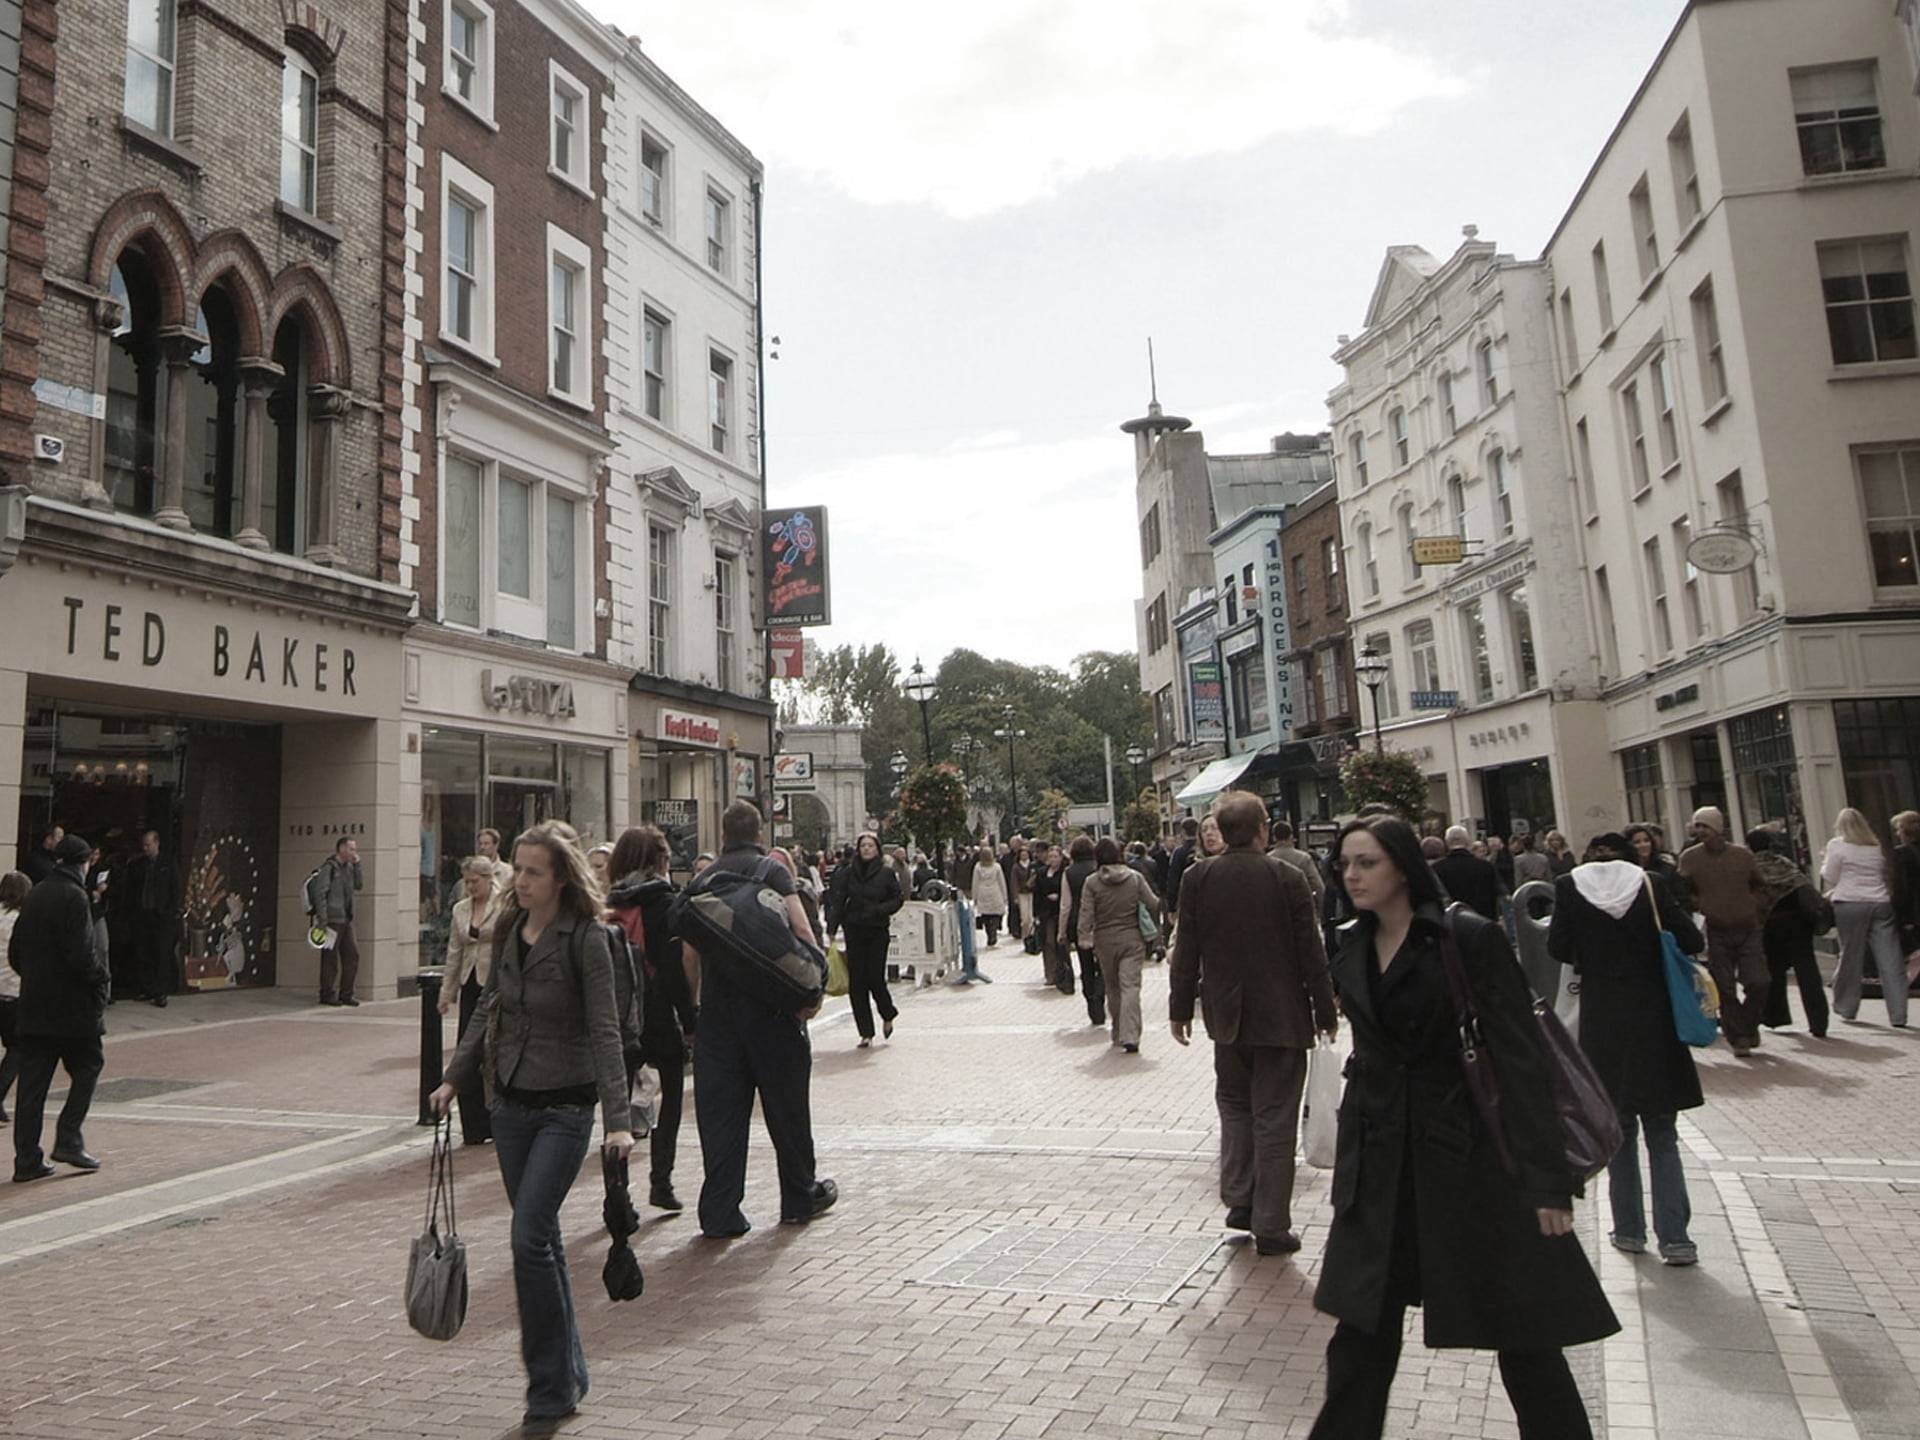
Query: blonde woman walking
[989,893]
[1855,876]
[476,915]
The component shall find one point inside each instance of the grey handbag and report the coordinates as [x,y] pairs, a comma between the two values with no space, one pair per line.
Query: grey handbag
[437,1263]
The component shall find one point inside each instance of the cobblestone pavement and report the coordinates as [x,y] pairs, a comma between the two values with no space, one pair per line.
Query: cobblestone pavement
[1028,1244]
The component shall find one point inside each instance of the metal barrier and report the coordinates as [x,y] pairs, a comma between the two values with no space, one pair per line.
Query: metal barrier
[432,1062]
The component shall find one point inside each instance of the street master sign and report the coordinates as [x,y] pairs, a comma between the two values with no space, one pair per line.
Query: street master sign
[793,557]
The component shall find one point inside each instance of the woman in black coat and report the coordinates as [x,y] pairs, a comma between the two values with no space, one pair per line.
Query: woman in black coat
[862,898]
[1606,927]
[1424,1211]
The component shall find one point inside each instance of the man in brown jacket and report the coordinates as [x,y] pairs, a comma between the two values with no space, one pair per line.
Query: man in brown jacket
[1724,882]
[1248,944]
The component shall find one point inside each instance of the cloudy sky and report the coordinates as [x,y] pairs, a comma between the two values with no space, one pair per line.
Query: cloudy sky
[977,214]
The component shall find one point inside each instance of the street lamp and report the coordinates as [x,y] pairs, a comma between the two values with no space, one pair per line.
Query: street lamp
[920,689]
[1135,756]
[1372,668]
[1007,733]
[898,762]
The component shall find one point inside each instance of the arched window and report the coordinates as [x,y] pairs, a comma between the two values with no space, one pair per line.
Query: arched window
[210,472]
[1457,504]
[300,133]
[283,483]
[1397,430]
[1369,567]
[1404,518]
[131,462]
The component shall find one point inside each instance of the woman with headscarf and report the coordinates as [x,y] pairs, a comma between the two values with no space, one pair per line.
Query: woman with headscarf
[1607,918]
[864,894]
[1796,913]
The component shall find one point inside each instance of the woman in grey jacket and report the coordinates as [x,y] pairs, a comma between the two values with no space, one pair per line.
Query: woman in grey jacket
[1110,906]
[547,1047]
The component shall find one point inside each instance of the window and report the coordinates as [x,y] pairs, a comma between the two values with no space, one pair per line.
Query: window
[514,538]
[1301,591]
[1164,733]
[1489,377]
[1686,172]
[299,133]
[1838,116]
[1457,504]
[149,87]
[1157,634]
[1310,687]
[1646,243]
[659,597]
[653,181]
[1449,417]
[1706,341]
[1357,448]
[1668,430]
[1869,300]
[1569,342]
[1890,490]
[1410,568]
[1526,664]
[1497,480]
[1609,629]
[1247,679]
[1424,655]
[1369,567]
[1733,514]
[466,245]
[1657,595]
[1636,436]
[1330,567]
[510,552]
[1397,430]
[1640,777]
[1692,609]
[1150,541]
[569,347]
[719,222]
[1333,687]
[1388,694]
[460,488]
[467,65]
[1583,463]
[1602,288]
[1473,624]
[726,591]
[562,581]
[570,108]
[1232,599]
[719,399]
[656,336]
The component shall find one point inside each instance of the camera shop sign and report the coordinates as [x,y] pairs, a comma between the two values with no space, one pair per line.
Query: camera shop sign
[527,695]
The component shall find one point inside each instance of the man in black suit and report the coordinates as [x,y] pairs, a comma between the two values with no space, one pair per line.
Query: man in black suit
[1469,879]
[152,899]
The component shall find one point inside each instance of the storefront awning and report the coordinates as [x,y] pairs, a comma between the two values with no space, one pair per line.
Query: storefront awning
[1218,776]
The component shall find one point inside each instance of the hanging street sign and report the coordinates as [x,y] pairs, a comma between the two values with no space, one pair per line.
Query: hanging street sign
[1722,552]
[1439,550]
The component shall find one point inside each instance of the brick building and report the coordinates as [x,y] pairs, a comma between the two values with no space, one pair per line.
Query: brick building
[27,33]
[1326,712]
[206,585]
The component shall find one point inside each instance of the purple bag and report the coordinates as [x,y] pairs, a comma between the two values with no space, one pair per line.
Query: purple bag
[1587,1118]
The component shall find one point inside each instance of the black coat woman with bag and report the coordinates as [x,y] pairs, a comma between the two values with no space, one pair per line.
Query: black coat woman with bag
[862,899]
[1425,1211]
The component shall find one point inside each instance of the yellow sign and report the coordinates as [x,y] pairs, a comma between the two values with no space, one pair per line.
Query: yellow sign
[1439,550]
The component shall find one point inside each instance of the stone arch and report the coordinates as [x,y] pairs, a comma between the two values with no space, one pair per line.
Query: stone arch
[148,220]
[302,289]
[229,256]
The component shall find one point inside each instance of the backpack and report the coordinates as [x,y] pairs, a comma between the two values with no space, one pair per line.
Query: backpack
[314,904]
[629,989]
[738,923]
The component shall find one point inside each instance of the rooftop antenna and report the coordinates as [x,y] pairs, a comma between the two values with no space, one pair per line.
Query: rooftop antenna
[1153,378]
[1154,421]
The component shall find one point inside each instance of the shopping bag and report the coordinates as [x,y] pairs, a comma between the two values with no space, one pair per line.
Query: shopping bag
[1690,989]
[437,1262]
[1566,1005]
[1319,1116]
[837,981]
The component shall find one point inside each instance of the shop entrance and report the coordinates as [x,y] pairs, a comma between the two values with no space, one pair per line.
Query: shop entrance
[1518,797]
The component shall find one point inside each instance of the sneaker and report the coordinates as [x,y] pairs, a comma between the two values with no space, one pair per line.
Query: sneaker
[1628,1244]
[1682,1254]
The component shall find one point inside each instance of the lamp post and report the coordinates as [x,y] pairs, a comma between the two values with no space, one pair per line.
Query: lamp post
[1008,733]
[920,689]
[1372,667]
[1135,755]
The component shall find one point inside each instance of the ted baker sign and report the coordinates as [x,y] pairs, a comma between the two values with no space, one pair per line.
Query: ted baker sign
[685,729]
[123,635]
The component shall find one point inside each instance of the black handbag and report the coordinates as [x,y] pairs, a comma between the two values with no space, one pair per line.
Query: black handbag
[437,1262]
[621,1274]
[1588,1121]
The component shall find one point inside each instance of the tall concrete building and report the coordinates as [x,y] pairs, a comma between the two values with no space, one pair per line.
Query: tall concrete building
[1735,344]
[1447,427]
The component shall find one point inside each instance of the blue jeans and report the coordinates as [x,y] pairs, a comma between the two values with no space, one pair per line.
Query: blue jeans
[541,1152]
[1671,1209]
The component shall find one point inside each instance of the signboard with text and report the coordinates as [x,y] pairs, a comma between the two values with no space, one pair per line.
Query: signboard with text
[683,728]
[793,557]
[679,821]
[788,649]
[793,770]
[1435,699]
[1439,549]
[1207,696]
[1279,644]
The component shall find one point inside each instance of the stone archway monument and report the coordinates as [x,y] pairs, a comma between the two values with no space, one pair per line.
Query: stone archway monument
[821,777]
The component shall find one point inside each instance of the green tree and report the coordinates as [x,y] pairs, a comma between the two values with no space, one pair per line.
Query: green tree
[933,802]
[1044,816]
[1391,778]
[1141,819]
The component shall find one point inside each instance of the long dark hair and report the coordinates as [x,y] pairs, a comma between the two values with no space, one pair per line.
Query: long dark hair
[640,850]
[1397,838]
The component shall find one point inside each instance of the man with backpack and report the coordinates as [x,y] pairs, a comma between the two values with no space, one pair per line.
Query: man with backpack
[749,1047]
[330,892]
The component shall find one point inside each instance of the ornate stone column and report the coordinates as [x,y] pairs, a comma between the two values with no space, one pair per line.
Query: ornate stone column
[259,377]
[178,346]
[327,410]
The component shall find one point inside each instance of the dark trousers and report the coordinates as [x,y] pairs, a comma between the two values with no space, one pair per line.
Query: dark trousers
[476,1122]
[867,979]
[991,923]
[1789,948]
[1093,985]
[1053,953]
[10,1061]
[1257,1090]
[342,959]
[1738,963]
[748,1048]
[664,1144]
[83,1059]
[154,944]
[1361,1367]
[540,1155]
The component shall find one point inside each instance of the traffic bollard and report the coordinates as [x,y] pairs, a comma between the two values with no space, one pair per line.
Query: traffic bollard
[430,1057]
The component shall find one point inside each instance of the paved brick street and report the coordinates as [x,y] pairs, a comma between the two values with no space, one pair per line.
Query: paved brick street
[234,1271]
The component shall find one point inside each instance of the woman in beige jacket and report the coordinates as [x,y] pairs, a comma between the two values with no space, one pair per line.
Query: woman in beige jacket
[469,957]
[1110,927]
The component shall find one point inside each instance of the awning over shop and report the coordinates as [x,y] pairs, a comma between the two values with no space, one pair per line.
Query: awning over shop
[1218,776]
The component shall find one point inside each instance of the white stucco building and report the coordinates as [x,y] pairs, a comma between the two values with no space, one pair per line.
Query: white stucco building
[682,205]
[1447,425]
[1734,337]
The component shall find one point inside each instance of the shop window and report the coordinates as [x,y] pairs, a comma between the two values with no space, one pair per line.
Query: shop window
[450,823]
[150,63]
[1767,773]
[1880,753]
[585,791]
[1640,777]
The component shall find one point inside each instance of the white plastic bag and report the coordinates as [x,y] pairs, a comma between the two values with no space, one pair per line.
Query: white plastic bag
[1566,1005]
[1319,1116]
